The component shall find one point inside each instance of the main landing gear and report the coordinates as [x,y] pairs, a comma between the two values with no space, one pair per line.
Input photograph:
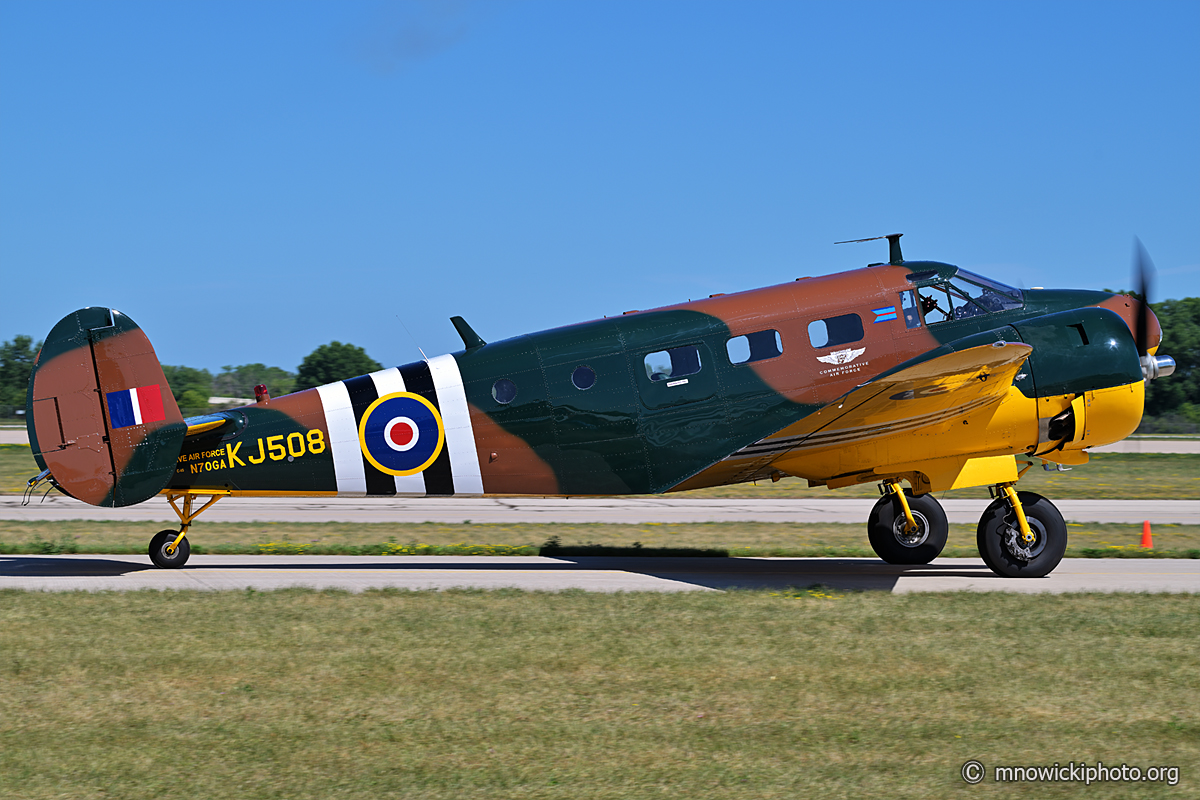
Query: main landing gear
[904,529]
[169,549]
[1020,535]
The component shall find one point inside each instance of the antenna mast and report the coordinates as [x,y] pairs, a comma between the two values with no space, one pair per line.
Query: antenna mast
[894,254]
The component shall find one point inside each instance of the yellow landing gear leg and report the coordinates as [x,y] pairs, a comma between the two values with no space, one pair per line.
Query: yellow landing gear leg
[170,549]
[1021,535]
[1010,494]
[893,487]
[906,529]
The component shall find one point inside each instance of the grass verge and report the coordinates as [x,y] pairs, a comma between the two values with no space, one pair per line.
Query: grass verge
[302,694]
[701,539]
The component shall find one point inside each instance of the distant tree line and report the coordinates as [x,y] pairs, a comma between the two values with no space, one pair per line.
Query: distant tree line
[193,387]
[1172,404]
[16,362]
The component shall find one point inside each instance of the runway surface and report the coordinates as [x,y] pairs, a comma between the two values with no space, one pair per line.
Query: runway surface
[599,574]
[637,510]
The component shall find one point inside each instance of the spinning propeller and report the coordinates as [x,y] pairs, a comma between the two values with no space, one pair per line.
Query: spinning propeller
[1152,366]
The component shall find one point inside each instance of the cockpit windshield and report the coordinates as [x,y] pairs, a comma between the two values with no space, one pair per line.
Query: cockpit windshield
[967,295]
[1007,296]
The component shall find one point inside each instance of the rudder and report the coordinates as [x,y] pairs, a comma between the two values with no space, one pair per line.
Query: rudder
[100,414]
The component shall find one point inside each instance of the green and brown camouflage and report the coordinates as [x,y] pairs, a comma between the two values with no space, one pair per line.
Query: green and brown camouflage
[646,402]
[86,356]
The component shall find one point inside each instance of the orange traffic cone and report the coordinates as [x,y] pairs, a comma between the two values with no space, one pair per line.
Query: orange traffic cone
[1147,540]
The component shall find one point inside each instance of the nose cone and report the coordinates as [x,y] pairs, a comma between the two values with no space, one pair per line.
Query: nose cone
[1126,308]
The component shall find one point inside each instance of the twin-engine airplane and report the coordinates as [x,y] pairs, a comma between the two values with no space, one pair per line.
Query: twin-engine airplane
[912,371]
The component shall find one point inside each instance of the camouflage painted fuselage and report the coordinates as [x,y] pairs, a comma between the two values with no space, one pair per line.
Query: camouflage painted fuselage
[630,431]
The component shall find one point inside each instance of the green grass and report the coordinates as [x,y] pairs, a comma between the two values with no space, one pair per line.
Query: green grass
[736,538]
[806,693]
[16,467]
[1136,476]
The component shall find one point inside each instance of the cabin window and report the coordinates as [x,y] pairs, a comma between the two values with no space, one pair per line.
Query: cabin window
[504,391]
[583,377]
[757,346]
[665,365]
[835,331]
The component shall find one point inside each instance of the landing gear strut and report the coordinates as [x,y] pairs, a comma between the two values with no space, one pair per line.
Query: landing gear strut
[1021,534]
[170,549]
[904,529]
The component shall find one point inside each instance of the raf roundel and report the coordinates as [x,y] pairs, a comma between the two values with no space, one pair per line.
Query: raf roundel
[401,433]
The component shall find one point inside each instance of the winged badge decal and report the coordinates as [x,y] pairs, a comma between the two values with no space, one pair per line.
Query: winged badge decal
[842,356]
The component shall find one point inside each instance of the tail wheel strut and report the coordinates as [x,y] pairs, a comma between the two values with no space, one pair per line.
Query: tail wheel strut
[170,549]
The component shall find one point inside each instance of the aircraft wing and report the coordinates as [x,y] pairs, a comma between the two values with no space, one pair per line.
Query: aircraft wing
[915,413]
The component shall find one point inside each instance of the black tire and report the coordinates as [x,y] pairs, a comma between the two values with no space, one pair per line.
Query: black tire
[158,550]
[1000,544]
[887,525]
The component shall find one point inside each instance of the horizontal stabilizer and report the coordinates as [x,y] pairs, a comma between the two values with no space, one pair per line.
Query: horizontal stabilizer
[204,424]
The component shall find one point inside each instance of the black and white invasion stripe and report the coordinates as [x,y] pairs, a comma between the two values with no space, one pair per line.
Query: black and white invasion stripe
[456,469]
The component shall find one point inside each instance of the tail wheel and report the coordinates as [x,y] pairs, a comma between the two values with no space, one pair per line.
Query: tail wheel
[1005,550]
[158,550]
[891,539]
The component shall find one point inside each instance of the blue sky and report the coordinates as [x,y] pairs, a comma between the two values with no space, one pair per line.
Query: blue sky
[250,180]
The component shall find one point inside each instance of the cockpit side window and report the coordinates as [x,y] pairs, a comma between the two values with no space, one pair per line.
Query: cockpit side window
[999,295]
[908,303]
[935,304]
[988,294]
[966,295]
[945,301]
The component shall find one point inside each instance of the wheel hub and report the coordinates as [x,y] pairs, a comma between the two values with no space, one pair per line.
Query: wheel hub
[1016,545]
[911,538]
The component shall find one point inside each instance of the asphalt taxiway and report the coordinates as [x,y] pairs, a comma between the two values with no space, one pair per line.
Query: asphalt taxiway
[600,574]
[576,510]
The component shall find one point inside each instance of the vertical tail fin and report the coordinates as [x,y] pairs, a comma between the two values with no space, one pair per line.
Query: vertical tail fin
[100,414]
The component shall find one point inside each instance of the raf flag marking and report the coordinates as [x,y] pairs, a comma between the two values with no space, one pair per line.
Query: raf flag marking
[135,406]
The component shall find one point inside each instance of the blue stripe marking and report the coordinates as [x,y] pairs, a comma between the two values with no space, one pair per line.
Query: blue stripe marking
[120,409]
